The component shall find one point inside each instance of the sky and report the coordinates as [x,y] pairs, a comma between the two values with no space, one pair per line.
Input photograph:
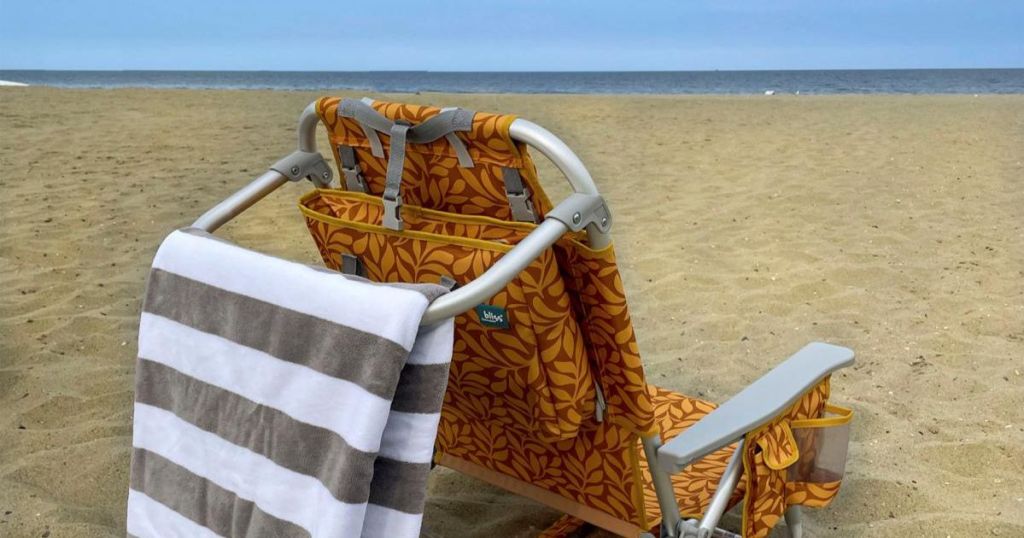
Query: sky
[500,35]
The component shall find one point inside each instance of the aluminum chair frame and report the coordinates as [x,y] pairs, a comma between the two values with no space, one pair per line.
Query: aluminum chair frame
[751,408]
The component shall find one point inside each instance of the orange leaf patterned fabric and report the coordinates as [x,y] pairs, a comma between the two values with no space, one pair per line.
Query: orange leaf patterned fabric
[520,402]
[769,451]
[698,482]
[533,377]
[602,469]
[600,303]
[432,177]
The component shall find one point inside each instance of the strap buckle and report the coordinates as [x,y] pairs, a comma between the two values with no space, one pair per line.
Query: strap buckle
[448,282]
[393,213]
[352,265]
[521,205]
[518,195]
[354,180]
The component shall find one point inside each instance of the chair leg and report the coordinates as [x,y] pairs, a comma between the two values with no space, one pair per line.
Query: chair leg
[663,488]
[794,522]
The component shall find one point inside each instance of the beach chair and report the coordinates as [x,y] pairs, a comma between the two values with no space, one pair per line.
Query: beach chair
[547,396]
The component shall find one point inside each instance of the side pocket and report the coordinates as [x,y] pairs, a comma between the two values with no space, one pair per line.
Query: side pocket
[564,389]
[822,444]
[794,460]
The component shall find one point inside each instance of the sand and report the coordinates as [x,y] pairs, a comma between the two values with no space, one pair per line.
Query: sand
[746,226]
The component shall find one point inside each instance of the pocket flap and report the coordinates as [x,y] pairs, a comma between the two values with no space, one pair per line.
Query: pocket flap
[778,447]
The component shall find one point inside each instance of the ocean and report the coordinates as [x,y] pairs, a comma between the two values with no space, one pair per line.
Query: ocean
[901,81]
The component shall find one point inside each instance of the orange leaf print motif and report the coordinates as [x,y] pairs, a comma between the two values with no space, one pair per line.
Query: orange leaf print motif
[765,459]
[519,356]
[429,166]
[520,401]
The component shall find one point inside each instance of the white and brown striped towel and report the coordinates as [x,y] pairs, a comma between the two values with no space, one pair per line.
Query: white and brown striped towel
[277,399]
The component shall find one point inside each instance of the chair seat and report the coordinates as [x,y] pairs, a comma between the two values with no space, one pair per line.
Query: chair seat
[693,487]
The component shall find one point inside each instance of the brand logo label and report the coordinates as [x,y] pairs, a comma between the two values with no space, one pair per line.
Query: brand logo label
[492,316]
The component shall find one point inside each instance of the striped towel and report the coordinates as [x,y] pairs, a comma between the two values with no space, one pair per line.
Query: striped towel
[277,399]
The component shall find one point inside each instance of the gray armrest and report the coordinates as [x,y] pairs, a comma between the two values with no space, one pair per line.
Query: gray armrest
[755,405]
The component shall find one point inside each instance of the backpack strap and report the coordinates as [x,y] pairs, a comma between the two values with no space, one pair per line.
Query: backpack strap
[393,183]
[444,124]
[352,265]
[371,134]
[518,195]
[460,119]
[354,180]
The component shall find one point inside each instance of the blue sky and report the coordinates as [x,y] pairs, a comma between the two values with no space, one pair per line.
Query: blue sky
[481,35]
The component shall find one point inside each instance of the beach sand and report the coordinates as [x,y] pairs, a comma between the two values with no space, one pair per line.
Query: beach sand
[746,226]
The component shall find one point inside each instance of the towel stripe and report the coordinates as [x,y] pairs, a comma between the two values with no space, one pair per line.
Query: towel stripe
[248,424]
[382,521]
[148,518]
[417,390]
[311,341]
[278,399]
[284,494]
[345,471]
[202,501]
[399,486]
[433,345]
[287,284]
[305,394]
[409,437]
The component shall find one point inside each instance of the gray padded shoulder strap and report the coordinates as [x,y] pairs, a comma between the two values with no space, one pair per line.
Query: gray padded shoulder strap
[444,124]
[368,119]
[447,121]
[465,160]
[393,181]
[364,113]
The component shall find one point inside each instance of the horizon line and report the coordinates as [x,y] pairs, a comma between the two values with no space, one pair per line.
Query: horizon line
[371,71]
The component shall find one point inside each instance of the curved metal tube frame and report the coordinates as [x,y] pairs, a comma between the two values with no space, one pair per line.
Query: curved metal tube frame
[498,275]
[240,200]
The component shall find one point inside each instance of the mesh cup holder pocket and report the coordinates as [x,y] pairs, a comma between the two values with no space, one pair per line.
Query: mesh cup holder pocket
[822,444]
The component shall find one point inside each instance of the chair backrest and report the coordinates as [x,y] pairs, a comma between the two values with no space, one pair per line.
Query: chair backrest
[502,183]
[432,177]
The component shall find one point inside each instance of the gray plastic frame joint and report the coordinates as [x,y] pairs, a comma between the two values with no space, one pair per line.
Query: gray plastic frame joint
[305,164]
[581,210]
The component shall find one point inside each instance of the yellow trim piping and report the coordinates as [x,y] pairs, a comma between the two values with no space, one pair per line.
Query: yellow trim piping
[543,426]
[423,236]
[842,416]
[638,482]
[424,211]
